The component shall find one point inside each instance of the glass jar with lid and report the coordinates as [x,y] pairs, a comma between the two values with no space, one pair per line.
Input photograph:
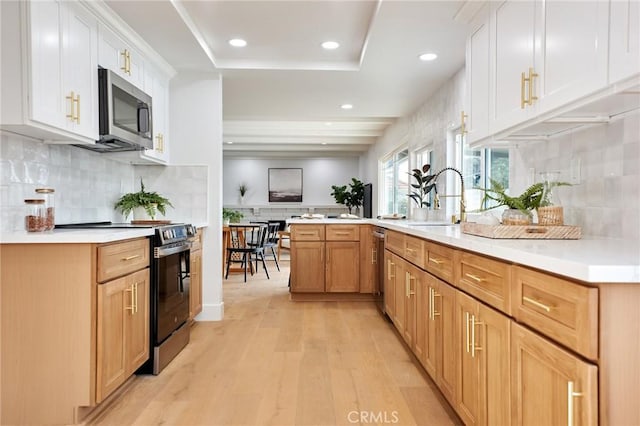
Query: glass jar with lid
[49,206]
[35,215]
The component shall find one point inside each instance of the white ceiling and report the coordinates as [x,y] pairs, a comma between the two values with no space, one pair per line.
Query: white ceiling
[282,92]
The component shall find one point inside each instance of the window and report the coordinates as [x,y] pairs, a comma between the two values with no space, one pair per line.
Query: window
[477,167]
[395,184]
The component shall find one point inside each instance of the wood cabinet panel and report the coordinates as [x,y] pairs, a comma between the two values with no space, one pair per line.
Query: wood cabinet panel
[307,232]
[390,271]
[565,311]
[195,288]
[487,279]
[440,261]
[343,267]
[118,259]
[369,258]
[394,242]
[543,377]
[414,250]
[137,336]
[307,267]
[343,233]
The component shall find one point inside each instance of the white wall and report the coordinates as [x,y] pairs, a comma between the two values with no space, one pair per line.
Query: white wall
[318,174]
[196,140]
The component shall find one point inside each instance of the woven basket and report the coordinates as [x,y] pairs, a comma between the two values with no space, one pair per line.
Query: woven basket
[551,215]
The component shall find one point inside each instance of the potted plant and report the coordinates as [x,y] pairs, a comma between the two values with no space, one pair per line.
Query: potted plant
[351,198]
[242,189]
[144,204]
[520,208]
[421,188]
[229,215]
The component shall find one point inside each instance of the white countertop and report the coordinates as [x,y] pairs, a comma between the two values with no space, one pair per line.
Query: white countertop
[595,260]
[74,236]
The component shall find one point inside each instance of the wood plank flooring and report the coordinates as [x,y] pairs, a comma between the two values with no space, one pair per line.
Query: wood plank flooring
[276,362]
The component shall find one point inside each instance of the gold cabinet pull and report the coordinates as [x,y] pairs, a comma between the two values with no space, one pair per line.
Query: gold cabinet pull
[374,256]
[463,124]
[436,261]
[474,277]
[466,314]
[534,302]
[474,347]
[124,61]
[135,256]
[434,294]
[77,102]
[570,395]
[307,233]
[135,290]
[128,62]
[131,300]
[342,233]
[523,101]
[532,75]
[407,277]
[430,303]
[72,106]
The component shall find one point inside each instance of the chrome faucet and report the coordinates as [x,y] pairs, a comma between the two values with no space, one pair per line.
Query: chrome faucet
[436,199]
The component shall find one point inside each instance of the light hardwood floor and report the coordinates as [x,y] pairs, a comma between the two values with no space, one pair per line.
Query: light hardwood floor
[276,362]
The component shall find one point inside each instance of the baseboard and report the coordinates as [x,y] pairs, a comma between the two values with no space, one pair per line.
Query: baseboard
[211,312]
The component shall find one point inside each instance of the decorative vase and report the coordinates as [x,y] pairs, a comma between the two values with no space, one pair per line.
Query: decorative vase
[140,213]
[225,222]
[515,217]
[420,213]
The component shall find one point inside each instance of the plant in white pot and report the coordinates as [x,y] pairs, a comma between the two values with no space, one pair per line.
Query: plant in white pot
[144,205]
[420,194]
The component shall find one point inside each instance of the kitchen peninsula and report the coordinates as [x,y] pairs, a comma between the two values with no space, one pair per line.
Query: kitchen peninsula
[511,331]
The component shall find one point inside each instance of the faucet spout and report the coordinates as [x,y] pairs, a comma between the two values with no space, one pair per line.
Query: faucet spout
[463,203]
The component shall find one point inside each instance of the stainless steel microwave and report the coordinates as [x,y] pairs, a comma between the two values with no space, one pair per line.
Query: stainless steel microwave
[125,114]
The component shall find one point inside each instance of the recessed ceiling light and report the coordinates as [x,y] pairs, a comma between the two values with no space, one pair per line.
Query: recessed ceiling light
[323,143]
[428,56]
[330,45]
[328,123]
[237,42]
[229,142]
[346,106]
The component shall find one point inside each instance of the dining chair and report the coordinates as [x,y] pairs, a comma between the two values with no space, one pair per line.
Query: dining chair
[247,244]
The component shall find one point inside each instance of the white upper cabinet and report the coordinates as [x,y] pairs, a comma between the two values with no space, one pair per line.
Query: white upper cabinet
[624,43]
[512,37]
[117,55]
[52,93]
[156,85]
[571,51]
[545,54]
[477,72]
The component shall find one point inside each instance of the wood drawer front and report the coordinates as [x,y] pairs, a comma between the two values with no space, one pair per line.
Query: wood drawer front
[116,260]
[307,232]
[439,260]
[394,242]
[196,240]
[486,279]
[343,233]
[414,250]
[562,310]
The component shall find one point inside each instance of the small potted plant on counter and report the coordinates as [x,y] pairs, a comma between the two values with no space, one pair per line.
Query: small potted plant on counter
[421,188]
[144,205]
[229,215]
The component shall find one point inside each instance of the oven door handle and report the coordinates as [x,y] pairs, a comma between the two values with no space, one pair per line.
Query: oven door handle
[159,252]
[379,235]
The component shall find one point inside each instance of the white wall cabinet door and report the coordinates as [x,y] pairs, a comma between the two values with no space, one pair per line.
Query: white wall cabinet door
[477,70]
[80,70]
[571,51]
[47,101]
[157,87]
[624,43]
[513,29]
[63,58]
[118,56]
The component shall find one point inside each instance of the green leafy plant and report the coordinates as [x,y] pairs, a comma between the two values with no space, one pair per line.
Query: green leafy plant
[150,201]
[231,215]
[353,197]
[423,186]
[496,196]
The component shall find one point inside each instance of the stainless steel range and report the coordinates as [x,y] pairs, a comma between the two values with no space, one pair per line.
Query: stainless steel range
[169,289]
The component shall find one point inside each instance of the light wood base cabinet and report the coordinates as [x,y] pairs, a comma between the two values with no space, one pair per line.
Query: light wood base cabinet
[123,330]
[307,267]
[550,385]
[195,285]
[483,363]
[390,262]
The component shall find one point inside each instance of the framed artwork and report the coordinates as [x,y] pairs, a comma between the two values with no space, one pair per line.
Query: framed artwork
[285,185]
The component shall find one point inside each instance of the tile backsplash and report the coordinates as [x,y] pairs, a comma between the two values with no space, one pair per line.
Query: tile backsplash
[606,202]
[88,184]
